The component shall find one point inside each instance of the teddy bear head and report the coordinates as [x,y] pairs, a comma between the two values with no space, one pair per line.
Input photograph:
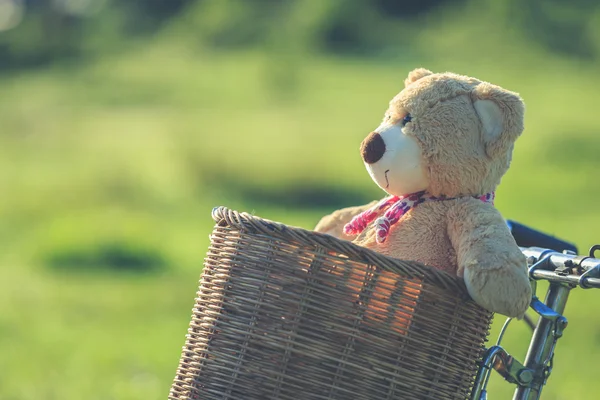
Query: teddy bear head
[446,134]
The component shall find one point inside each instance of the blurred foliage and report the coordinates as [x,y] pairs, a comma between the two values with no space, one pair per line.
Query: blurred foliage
[112,255]
[66,29]
[125,122]
[570,28]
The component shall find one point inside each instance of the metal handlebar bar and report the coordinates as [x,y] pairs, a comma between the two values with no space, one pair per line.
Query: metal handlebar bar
[582,271]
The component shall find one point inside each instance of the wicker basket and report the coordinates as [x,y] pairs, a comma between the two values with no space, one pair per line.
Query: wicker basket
[285,313]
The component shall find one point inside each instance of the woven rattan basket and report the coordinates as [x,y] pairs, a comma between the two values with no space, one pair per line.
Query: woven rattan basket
[285,313]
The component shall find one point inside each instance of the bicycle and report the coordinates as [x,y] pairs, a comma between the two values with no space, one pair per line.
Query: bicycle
[557,262]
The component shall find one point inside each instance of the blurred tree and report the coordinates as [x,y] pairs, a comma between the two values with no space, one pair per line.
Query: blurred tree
[148,15]
[59,29]
[560,26]
[409,8]
[44,34]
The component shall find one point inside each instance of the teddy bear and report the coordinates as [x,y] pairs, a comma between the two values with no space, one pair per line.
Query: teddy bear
[441,150]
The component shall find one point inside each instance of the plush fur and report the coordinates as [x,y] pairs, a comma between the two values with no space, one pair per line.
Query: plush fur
[466,130]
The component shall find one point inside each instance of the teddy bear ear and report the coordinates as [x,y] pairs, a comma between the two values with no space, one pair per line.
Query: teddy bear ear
[501,113]
[415,75]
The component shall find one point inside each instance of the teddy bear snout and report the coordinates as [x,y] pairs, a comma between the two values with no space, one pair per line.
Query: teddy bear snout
[372,148]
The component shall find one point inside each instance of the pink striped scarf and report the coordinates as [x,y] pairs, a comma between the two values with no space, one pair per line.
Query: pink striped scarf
[394,207]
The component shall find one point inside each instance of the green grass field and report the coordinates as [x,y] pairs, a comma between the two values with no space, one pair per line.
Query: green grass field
[109,172]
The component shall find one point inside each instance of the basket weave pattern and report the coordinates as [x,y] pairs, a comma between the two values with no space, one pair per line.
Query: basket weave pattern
[285,313]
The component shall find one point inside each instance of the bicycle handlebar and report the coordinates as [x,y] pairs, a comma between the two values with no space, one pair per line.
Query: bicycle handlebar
[558,262]
[583,271]
[546,261]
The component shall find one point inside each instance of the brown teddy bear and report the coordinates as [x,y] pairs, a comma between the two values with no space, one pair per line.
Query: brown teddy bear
[444,144]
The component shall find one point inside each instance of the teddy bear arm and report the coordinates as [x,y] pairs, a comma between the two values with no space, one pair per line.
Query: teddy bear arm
[333,224]
[489,260]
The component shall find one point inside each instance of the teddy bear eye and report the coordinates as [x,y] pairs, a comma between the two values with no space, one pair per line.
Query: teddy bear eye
[406,119]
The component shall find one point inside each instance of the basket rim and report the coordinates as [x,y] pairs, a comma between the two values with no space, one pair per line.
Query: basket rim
[243,221]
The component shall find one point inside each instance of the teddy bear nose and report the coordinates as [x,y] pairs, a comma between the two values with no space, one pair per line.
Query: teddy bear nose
[372,148]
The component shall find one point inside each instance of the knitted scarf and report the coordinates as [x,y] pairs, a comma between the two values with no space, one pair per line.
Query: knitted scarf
[394,207]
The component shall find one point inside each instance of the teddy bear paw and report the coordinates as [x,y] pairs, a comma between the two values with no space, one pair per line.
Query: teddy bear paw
[503,288]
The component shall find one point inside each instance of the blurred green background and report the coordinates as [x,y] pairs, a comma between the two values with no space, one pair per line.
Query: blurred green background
[122,123]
